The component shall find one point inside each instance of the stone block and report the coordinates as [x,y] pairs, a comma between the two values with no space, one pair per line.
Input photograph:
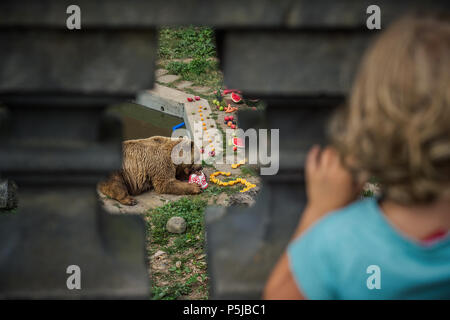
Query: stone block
[123,62]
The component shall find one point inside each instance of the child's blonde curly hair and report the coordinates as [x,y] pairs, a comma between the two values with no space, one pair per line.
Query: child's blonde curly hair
[396,125]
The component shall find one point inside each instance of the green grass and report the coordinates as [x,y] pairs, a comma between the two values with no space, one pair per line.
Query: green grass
[199,71]
[193,68]
[197,43]
[186,42]
[181,280]
[191,209]
[214,190]
[170,292]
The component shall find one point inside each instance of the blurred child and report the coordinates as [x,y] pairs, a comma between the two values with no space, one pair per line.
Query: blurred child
[396,127]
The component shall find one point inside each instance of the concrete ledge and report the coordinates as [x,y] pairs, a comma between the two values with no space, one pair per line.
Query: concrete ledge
[164,99]
[174,102]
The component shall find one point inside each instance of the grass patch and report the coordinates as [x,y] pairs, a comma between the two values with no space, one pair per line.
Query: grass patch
[186,42]
[200,71]
[170,292]
[197,43]
[188,277]
[193,68]
[214,190]
[191,209]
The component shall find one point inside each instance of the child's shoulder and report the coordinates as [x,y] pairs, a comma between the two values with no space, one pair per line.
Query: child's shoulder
[349,223]
[358,212]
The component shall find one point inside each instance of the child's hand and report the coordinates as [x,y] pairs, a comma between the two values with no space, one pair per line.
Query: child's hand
[328,185]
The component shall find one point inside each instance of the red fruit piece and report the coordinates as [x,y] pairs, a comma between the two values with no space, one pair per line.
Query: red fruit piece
[197,98]
[234,148]
[231,118]
[236,98]
[233,126]
[190,99]
[227,118]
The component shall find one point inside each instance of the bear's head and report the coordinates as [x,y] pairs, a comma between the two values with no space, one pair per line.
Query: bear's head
[188,166]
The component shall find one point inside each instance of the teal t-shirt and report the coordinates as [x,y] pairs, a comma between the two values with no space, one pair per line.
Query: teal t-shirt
[355,253]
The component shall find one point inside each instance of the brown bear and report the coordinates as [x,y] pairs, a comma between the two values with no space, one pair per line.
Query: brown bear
[148,163]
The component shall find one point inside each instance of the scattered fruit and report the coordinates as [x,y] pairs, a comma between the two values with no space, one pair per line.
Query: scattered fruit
[230,109]
[247,184]
[197,98]
[190,99]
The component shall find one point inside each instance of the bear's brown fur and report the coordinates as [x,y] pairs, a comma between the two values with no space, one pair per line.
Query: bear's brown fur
[147,163]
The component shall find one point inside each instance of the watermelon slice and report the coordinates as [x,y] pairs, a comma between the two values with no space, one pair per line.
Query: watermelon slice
[238,142]
[236,98]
